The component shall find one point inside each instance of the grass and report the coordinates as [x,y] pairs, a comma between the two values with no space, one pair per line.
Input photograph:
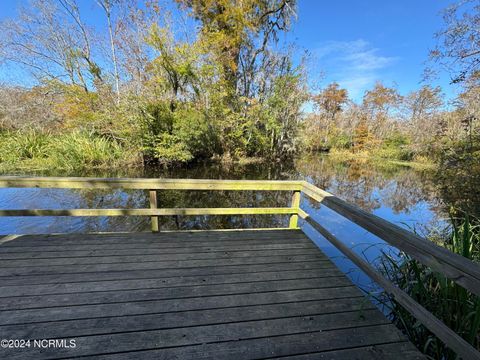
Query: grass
[380,158]
[456,307]
[77,150]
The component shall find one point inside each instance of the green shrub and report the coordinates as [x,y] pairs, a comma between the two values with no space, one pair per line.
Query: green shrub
[170,149]
[340,141]
[396,147]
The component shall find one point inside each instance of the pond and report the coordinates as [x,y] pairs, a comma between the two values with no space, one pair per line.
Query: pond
[399,194]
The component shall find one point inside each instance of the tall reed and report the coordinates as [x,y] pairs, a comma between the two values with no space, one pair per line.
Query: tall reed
[456,307]
[33,150]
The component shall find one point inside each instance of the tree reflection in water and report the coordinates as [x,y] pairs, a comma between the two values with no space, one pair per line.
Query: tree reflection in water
[400,194]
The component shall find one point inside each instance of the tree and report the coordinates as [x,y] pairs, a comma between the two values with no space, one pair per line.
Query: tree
[361,137]
[378,104]
[106,5]
[231,29]
[468,103]
[422,109]
[51,40]
[174,66]
[458,48]
[331,99]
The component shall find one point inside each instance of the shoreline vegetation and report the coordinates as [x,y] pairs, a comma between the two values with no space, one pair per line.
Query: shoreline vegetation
[33,151]
[419,163]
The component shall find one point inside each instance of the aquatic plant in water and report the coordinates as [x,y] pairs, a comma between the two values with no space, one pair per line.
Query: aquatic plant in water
[455,306]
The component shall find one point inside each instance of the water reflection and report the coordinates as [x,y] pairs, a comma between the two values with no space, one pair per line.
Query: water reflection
[399,194]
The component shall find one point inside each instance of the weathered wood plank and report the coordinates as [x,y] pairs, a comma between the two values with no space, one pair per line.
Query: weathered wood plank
[149,257]
[106,325]
[163,237]
[155,265]
[282,347]
[305,335]
[158,245]
[164,273]
[214,251]
[392,351]
[145,184]
[27,316]
[21,290]
[107,297]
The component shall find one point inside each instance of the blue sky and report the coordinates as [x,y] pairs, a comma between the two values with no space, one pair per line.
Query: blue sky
[354,43]
[359,42]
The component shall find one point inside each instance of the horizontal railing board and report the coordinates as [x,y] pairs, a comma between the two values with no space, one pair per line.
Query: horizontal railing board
[444,333]
[456,267]
[147,183]
[149,212]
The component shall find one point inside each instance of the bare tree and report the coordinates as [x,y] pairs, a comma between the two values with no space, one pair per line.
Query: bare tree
[378,104]
[458,48]
[50,39]
[422,109]
[106,5]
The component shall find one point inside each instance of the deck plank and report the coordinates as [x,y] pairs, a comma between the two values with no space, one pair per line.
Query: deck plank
[143,294]
[232,294]
[148,257]
[74,268]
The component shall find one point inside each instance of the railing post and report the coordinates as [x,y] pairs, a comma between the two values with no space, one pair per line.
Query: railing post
[295,204]
[153,205]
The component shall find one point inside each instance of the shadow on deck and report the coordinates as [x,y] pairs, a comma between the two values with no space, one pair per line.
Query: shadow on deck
[246,294]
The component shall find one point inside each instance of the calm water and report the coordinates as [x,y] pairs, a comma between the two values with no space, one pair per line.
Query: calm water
[399,194]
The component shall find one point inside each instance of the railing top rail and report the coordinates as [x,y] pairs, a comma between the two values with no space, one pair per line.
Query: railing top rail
[455,267]
[147,183]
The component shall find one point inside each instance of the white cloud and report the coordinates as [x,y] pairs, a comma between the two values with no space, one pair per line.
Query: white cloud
[355,65]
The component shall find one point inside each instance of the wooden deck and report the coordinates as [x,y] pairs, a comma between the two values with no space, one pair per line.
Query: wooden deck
[249,294]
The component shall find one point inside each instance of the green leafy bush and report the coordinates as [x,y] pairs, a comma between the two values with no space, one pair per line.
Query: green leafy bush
[170,149]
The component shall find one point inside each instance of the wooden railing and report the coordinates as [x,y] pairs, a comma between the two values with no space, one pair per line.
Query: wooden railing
[152,185]
[455,267]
